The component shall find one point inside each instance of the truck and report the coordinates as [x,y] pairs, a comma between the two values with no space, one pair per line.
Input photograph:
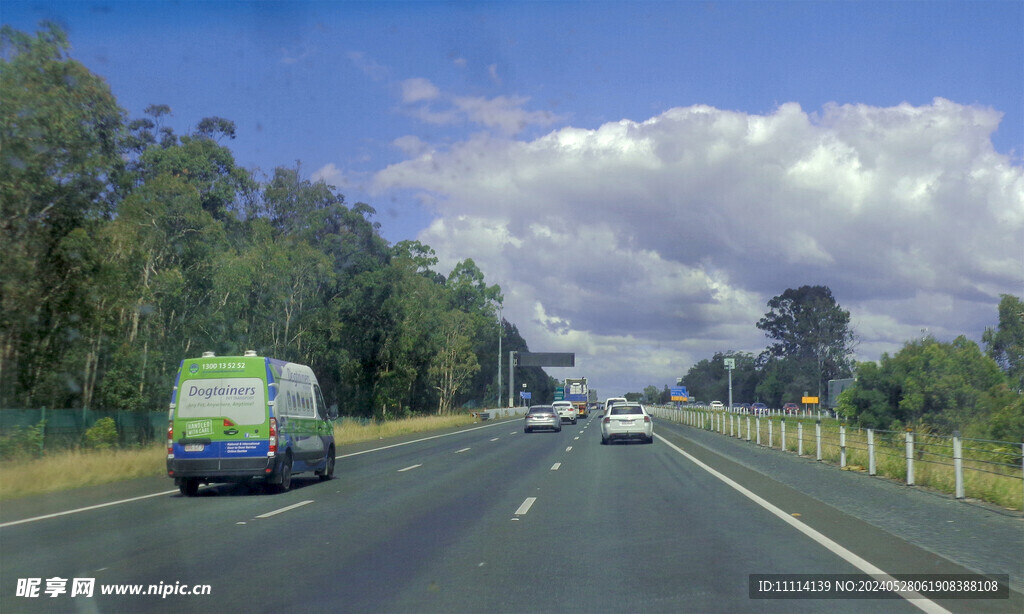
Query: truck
[576,393]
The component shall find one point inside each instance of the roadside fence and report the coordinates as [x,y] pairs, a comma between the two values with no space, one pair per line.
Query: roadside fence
[987,470]
[52,428]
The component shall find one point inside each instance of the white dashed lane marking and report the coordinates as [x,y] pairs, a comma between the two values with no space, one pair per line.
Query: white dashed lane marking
[284,509]
[525,507]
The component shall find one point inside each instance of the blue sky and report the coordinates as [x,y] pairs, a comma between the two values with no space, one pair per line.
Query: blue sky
[716,153]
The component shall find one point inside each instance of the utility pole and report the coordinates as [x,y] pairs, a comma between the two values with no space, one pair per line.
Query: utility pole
[511,377]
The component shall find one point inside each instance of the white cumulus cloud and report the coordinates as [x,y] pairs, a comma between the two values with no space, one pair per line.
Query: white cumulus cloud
[647,245]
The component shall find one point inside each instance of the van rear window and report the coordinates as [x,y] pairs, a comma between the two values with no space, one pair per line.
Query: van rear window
[240,399]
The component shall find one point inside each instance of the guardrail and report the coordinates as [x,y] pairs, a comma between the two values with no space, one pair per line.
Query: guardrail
[507,412]
[987,470]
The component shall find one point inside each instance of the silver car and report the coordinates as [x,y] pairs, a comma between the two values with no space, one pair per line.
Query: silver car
[542,417]
[627,421]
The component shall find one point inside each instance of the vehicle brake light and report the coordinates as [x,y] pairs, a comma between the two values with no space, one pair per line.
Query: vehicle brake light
[170,439]
[647,418]
[607,420]
[228,422]
[273,437]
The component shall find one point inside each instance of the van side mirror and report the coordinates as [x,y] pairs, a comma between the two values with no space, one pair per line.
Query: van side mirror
[332,412]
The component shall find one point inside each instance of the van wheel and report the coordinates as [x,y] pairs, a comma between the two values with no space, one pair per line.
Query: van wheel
[189,487]
[286,474]
[328,472]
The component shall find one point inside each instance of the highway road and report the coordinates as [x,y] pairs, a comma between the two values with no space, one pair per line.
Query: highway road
[482,519]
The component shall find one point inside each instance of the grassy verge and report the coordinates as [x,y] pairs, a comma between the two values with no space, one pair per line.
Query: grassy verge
[67,469]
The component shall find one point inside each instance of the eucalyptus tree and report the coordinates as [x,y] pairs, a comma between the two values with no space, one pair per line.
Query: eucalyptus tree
[1005,343]
[708,380]
[59,150]
[944,386]
[810,328]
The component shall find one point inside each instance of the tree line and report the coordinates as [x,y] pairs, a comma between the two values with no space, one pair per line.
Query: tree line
[128,247]
[927,385]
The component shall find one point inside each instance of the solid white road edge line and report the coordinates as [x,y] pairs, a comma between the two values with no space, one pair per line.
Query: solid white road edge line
[285,509]
[86,509]
[410,468]
[525,507]
[916,599]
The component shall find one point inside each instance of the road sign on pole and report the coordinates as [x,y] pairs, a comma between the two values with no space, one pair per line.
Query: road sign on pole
[730,364]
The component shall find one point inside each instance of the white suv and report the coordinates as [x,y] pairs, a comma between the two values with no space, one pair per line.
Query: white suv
[565,411]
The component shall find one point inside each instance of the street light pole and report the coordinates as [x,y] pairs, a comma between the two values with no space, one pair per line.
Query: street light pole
[501,329]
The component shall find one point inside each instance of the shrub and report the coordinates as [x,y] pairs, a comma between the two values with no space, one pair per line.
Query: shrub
[102,435]
[23,442]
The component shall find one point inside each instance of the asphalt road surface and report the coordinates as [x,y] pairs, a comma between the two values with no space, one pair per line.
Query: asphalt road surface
[482,519]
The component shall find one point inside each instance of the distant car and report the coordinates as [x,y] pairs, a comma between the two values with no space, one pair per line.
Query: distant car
[542,417]
[717,405]
[612,401]
[759,409]
[791,408]
[565,410]
[742,408]
[627,421]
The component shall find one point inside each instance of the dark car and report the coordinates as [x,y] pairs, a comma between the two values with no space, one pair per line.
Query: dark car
[759,409]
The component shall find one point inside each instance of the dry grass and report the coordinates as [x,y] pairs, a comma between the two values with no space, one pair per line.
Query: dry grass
[66,469]
[350,431]
[73,468]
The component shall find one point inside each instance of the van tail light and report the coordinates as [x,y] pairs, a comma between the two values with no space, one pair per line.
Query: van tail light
[273,437]
[170,439]
[228,422]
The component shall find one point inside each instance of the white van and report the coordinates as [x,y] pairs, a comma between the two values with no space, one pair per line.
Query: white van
[245,418]
[612,401]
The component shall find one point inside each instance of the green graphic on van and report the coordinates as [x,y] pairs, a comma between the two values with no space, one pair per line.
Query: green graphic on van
[198,428]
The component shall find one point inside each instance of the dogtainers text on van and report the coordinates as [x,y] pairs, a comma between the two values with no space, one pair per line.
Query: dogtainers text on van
[243,418]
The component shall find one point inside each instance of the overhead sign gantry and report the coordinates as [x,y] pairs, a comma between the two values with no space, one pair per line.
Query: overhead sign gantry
[536,359]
